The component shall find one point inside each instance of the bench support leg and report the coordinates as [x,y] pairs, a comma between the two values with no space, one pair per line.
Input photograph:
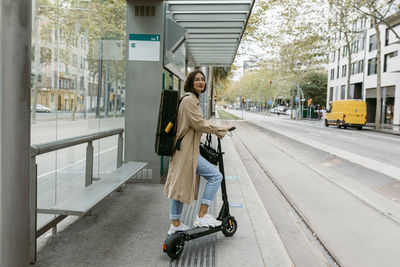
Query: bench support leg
[33,208]
[89,164]
[120,150]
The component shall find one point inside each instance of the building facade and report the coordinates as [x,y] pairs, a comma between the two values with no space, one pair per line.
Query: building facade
[363,78]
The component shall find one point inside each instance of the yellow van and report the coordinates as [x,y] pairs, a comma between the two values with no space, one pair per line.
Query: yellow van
[345,113]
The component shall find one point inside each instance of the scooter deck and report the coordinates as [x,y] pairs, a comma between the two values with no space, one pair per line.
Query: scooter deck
[201,231]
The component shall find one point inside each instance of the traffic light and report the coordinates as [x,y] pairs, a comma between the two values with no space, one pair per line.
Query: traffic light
[242,99]
[309,101]
[270,82]
[215,98]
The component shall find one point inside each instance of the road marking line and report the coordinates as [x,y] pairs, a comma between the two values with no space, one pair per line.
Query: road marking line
[75,163]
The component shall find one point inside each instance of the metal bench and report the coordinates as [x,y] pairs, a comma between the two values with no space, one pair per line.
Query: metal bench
[82,201]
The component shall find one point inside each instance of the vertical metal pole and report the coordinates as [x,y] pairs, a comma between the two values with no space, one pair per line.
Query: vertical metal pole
[15,79]
[33,208]
[106,92]
[120,150]
[89,164]
[383,97]
[100,79]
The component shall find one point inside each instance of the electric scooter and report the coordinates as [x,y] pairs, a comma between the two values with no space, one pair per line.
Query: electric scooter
[175,242]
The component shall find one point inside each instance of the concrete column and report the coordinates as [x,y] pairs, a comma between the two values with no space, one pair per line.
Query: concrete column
[15,131]
[143,88]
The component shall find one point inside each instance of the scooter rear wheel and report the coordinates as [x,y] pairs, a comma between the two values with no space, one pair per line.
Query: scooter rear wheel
[174,245]
[230,227]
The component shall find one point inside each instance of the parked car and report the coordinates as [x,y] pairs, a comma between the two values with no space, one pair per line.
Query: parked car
[41,108]
[345,113]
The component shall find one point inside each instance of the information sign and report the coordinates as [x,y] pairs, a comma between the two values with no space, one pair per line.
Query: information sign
[144,47]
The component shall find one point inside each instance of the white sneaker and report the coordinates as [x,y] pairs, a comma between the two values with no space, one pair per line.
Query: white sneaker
[207,221]
[181,227]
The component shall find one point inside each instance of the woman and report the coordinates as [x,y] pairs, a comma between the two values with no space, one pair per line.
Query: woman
[187,164]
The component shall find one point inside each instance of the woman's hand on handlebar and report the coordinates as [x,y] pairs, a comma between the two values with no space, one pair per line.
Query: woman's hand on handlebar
[232,128]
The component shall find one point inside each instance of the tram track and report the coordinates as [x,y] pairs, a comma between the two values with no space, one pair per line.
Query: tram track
[332,259]
[310,225]
[387,215]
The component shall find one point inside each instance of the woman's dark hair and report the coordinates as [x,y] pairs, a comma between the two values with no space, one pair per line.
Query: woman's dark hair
[190,80]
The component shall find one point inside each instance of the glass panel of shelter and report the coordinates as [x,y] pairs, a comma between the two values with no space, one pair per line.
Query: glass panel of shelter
[78,88]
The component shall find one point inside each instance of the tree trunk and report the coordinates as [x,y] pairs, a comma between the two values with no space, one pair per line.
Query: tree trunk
[378,76]
[348,74]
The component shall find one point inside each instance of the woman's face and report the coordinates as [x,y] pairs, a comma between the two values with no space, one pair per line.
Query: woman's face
[199,83]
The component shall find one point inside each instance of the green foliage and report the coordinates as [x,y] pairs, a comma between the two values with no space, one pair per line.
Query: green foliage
[291,31]
[314,86]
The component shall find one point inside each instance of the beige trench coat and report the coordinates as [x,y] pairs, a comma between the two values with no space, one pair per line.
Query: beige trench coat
[182,182]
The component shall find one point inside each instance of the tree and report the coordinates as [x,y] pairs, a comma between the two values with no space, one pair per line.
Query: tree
[342,21]
[96,19]
[295,35]
[314,86]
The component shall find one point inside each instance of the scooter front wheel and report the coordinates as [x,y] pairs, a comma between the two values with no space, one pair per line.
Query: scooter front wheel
[174,245]
[230,227]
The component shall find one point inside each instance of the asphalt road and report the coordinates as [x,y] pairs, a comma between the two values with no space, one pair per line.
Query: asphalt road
[378,147]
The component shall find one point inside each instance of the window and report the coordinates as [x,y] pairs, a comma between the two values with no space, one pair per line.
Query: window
[362,43]
[372,42]
[343,92]
[386,57]
[387,37]
[332,74]
[363,23]
[353,68]
[361,66]
[337,73]
[338,55]
[331,94]
[344,69]
[372,66]
[344,51]
[385,63]
[74,60]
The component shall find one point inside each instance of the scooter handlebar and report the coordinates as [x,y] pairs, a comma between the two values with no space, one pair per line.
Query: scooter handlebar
[232,128]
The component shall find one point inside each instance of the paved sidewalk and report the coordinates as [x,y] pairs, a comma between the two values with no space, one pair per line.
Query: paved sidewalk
[128,229]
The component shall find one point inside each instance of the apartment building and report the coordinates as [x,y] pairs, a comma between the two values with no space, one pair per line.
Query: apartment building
[363,79]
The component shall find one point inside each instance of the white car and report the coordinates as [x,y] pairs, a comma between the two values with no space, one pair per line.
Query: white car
[41,108]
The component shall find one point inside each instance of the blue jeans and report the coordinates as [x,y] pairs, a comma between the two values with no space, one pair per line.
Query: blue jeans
[213,177]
